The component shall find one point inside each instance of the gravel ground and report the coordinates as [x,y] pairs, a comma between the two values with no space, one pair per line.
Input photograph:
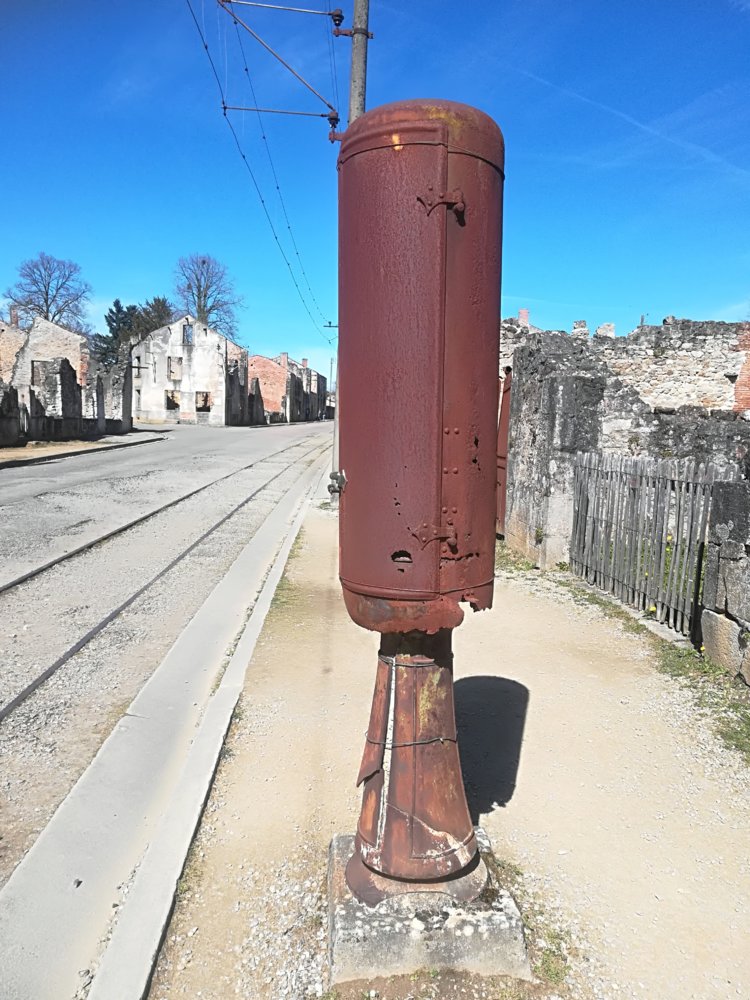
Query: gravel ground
[619,819]
[49,740]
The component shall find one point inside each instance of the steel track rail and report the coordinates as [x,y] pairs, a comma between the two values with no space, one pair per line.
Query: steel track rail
[30,574]
[32,686]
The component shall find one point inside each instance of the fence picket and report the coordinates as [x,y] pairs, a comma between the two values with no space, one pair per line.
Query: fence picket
[639,531]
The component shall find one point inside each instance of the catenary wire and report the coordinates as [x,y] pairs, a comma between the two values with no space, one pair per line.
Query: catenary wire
[284,63]
[252,175]
[264,137]
[332,58]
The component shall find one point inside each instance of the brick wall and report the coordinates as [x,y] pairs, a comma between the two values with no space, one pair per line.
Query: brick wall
[272,379]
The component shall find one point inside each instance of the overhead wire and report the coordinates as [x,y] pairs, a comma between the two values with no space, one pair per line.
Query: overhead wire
[275,54]
[332,58]
[253,178]
[264,137]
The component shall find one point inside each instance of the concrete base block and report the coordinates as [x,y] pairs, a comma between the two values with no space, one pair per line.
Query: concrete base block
[418,930]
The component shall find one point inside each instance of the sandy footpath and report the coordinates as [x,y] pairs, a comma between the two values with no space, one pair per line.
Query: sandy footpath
[593,774]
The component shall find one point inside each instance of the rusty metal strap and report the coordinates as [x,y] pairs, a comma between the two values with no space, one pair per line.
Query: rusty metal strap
[397,661]
[413,743]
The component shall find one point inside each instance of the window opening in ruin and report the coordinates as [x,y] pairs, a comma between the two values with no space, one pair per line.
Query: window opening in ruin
[35,373]
[137,366]
[172,399]
[187,334]
[203,402]
[154,368]
[174,368]
[137,399]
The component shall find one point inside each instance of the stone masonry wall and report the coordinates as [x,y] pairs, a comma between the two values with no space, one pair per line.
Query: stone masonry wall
[555,411]
[10,423]
[12,339]
[725,620]
[683,363]
[55,401]
[567,398]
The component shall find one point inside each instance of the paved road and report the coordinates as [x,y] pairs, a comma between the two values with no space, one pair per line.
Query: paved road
[124,601]
[47,509]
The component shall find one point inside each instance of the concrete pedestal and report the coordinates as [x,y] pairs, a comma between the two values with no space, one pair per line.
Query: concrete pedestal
[417,930]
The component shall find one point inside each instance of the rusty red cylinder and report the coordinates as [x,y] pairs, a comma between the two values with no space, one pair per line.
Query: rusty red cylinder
[420,201]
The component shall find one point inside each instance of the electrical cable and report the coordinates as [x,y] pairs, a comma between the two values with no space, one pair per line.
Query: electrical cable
[264,137]
[284,63]
[332,58]
[252,175]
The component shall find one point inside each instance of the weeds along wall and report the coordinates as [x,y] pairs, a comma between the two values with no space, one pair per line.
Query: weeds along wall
[680,390]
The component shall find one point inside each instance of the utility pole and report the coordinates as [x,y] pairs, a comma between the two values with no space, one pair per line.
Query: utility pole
[360,36]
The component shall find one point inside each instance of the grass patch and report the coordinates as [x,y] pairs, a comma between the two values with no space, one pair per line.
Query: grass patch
[607,605]
[724,699]
[508,561]
[287,592]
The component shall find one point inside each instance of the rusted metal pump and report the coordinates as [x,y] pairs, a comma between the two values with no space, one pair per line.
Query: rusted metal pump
[420,201]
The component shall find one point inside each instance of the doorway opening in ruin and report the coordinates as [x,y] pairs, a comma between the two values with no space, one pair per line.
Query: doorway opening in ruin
[203,402]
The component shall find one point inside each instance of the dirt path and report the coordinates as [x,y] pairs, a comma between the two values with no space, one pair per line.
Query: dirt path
[592,773]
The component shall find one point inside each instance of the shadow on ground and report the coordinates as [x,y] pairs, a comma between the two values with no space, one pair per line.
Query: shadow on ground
[490,715]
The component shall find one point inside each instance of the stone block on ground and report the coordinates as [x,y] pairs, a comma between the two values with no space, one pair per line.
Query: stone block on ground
[722,641]
[421,929]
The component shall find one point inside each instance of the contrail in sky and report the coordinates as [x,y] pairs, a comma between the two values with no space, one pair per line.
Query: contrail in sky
[691,147]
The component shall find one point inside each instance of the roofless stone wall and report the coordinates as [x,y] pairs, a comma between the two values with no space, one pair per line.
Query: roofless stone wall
[673,391]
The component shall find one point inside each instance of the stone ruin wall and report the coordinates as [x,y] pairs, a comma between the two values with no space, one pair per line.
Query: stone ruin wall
[679,363]
[55,400]
[574,393]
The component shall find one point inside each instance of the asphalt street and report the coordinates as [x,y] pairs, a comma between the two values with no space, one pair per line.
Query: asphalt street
[50,508]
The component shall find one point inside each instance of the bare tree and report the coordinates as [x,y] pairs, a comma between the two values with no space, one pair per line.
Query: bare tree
[205,290]
[52,289]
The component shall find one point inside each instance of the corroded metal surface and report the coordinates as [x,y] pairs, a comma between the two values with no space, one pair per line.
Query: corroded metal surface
[420,199]
[420,233]
[414,822]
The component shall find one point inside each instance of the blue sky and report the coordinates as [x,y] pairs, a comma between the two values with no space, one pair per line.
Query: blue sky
[627,128]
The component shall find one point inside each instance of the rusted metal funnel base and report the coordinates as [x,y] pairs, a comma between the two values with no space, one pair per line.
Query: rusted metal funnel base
[371,888]
[414,824]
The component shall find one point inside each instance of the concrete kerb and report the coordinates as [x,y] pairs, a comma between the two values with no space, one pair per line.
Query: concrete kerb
[13,463]
[129,961]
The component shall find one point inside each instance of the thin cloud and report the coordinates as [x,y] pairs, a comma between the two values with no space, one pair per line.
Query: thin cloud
[707,155]
[736,312]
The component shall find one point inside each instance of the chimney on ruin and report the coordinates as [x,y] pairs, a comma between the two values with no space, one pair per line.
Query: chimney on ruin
[304,362]
[13,315]
[523,317]
[284,360]
[580,328]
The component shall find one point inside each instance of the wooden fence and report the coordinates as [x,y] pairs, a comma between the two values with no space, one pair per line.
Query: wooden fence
[639,531]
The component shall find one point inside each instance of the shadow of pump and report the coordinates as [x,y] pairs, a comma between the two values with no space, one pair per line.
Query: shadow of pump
[490,716]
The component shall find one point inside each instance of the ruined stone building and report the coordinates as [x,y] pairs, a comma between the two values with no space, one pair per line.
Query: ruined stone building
[292,391]
[678,390]
[58,390]
[187,373]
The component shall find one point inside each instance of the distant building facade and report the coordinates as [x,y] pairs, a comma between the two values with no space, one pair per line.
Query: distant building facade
[292,391]
[187,373]
[58,390]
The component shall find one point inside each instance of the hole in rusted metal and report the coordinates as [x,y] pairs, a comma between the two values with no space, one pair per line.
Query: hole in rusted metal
[402,556]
